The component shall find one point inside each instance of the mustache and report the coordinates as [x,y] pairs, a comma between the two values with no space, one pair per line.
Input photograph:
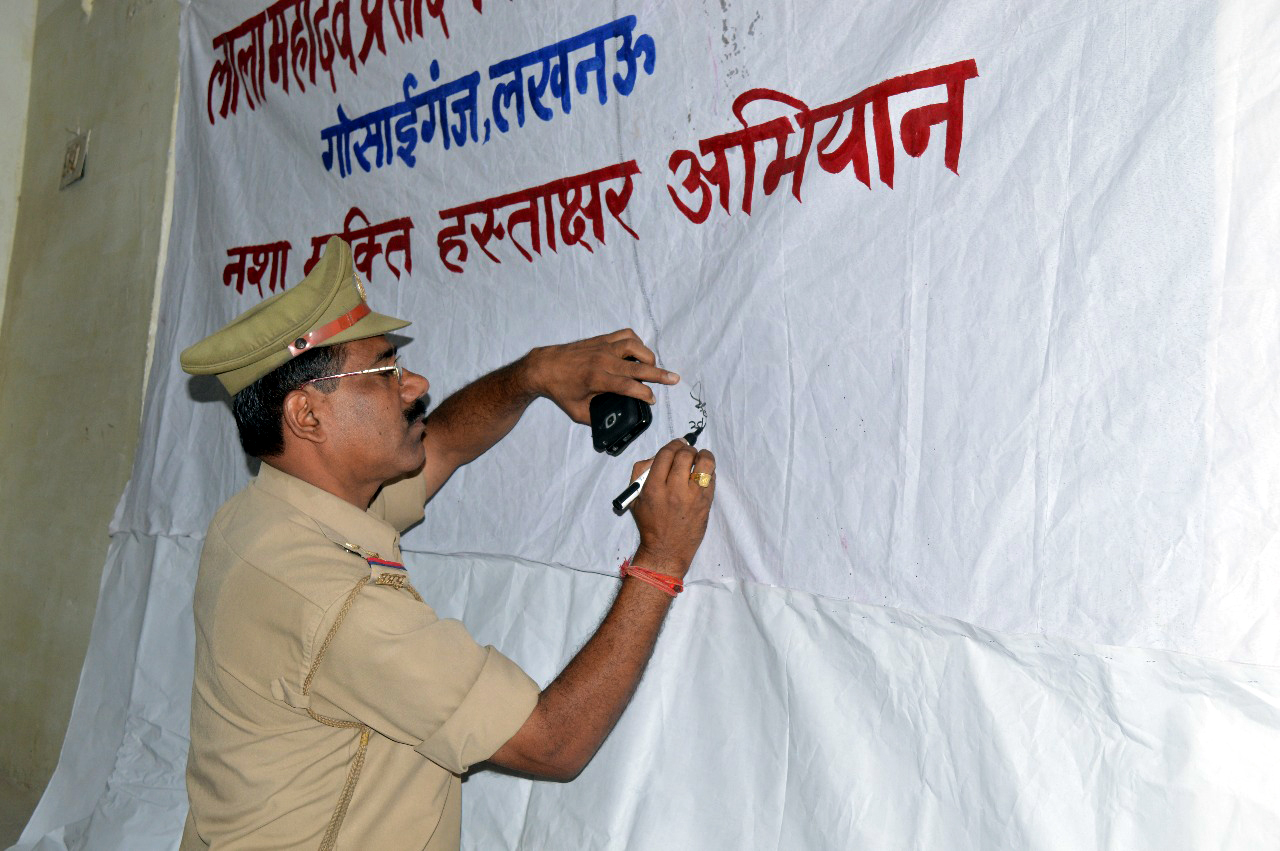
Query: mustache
[416,411]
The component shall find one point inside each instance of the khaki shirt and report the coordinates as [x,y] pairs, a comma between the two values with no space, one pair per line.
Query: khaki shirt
[261,771]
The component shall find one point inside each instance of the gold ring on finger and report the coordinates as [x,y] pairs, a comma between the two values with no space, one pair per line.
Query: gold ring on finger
[703,480]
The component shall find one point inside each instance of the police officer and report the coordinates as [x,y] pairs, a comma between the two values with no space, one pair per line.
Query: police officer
[331,707]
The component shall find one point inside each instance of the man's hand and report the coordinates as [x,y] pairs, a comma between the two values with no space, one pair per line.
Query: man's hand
[571,374]
[671,511]
[578,709]
[472,420]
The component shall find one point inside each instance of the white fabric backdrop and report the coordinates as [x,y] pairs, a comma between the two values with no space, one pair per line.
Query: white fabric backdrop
[1035,395]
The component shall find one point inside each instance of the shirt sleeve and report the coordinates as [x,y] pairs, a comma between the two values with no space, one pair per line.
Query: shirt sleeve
[422,680]
[401,504]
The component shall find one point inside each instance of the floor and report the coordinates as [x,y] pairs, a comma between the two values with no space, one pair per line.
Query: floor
[16,804]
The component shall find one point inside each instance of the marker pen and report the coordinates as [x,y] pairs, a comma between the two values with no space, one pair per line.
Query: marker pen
[623,500]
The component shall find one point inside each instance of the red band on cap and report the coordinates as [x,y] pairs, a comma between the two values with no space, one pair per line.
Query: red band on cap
[310,340]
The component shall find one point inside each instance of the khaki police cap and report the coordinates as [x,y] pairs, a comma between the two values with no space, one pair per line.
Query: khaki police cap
[326,308]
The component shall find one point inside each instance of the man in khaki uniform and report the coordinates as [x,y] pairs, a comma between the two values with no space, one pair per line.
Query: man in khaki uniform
[331,708]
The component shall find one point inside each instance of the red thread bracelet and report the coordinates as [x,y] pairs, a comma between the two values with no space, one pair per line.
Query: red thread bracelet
[662,581]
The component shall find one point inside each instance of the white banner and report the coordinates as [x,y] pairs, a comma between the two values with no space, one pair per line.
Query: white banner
[987,381]
[980,303]
[768,719]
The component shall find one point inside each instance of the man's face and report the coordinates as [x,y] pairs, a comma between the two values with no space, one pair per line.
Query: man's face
[376,422]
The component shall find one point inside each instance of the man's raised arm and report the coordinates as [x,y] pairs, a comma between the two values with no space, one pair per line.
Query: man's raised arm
[468,423]
[578,710]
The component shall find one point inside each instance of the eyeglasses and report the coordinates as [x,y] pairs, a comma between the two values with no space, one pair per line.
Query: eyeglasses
[395,367]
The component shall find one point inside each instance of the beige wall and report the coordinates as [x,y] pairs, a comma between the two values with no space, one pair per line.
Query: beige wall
[73,343]
[16,40]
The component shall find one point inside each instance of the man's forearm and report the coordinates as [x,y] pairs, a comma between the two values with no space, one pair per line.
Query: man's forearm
[472,420]
[581,706]
[468,423]
[576,712]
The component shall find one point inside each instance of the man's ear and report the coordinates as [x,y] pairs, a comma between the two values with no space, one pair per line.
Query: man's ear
[300,418]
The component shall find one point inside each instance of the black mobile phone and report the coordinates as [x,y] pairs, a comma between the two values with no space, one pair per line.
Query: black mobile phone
[617,420]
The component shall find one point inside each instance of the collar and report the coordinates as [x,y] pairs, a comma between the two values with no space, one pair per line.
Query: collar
[356,531]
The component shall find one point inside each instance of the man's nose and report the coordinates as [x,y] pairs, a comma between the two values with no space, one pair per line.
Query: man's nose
[413,385]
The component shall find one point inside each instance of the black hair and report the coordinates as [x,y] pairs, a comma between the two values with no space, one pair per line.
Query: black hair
[259,408]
